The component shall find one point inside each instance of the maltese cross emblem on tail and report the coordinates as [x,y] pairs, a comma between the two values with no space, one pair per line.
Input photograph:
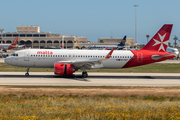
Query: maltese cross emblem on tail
[161,42]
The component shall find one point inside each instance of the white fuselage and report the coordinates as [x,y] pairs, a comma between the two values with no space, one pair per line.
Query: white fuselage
[48,57]
[6,46]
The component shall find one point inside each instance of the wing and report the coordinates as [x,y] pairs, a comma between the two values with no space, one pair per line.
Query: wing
[88,63]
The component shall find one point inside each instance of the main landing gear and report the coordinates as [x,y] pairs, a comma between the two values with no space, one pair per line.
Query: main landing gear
[27,74]
[84,74]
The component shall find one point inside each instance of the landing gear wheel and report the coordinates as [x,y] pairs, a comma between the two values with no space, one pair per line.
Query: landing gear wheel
[84,74]
[27,74]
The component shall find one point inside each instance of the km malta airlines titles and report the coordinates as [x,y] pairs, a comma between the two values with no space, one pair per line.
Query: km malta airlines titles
[65,61]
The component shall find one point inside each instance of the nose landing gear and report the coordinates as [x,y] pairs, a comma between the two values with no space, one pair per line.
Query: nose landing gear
[27,74]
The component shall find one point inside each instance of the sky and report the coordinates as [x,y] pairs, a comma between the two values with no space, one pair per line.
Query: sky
[93,18]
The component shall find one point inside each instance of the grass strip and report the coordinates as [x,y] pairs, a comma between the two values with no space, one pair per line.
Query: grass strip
[101,107]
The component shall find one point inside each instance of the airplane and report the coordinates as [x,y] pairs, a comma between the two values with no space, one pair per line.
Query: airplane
[6,47]
[67,61]
[121,45]
[172,50]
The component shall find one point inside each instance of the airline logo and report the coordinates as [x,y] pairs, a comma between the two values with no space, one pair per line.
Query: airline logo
[159,42]
[123,41]
[44,52]
[15,41]
[163,44]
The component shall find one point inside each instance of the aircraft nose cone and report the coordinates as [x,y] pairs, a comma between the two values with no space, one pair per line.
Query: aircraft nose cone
[7,60]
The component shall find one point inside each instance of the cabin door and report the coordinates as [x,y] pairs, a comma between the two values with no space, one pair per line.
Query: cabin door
[26,55]
[139,57]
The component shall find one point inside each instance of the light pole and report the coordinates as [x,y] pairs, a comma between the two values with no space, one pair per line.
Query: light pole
[135,23]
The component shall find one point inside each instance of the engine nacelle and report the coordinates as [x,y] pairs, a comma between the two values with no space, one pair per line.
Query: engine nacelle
[63,69]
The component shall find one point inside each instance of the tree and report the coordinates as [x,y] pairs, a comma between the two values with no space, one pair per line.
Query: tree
[169,44]
[175,38]
[147,37]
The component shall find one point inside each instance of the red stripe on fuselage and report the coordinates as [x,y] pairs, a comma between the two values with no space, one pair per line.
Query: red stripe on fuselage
[130,61]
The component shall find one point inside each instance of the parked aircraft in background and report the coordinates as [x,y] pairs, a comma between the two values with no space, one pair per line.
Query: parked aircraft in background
[65,61]
[6,47]
[119,46]
[172,50]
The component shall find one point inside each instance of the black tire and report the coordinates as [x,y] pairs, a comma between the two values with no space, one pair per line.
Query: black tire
[84,74]
[27,74]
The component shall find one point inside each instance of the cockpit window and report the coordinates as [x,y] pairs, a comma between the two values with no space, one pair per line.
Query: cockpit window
[14,54]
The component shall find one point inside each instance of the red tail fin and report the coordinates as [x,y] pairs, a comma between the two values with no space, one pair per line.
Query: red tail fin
[15,41]
[160,41]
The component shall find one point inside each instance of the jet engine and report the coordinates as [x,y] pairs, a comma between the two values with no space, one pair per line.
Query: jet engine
[63,69]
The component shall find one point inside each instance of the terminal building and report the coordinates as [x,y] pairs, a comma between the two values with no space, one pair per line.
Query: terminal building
[31,36]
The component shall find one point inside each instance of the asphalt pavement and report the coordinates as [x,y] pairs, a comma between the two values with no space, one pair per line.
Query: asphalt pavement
[94,79]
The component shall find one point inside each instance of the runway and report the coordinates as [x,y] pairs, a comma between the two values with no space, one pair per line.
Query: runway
[94,79]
